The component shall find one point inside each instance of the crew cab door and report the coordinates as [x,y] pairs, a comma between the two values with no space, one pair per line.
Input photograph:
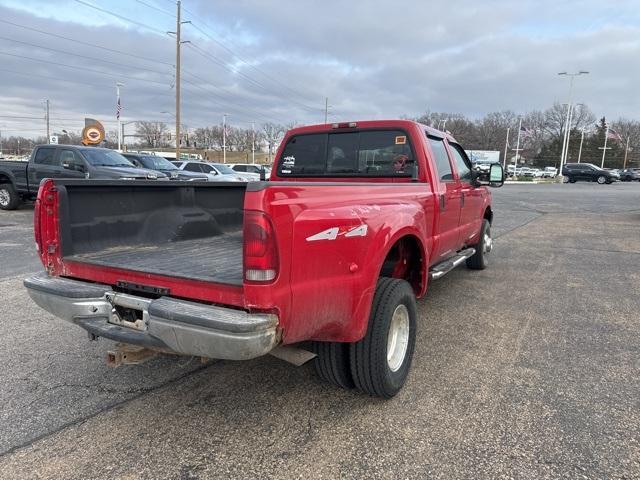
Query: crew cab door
[71,165]
[449,199]
[43,166]
[471,197]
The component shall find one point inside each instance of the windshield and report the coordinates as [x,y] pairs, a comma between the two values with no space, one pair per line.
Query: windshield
[157,163]
[105,158]
[224,169]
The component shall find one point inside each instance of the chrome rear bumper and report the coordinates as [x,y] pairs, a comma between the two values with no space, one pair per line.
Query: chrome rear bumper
[183,327]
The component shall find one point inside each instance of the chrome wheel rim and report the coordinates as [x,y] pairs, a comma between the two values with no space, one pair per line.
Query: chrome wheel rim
[487,242]
[5,198]
[398,338]
[601,180]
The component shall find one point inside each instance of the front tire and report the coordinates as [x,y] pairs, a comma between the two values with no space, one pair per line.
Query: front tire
[478,261]
[380,362]
[9,198]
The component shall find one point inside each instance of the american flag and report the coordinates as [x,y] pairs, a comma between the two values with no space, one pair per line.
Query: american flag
[118,109]
[525,132]
[613,135]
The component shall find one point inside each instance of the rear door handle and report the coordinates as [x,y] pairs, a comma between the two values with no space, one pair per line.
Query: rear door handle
[441,202]
[462,199]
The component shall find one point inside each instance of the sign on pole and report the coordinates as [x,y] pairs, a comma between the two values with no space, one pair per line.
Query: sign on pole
[53,139]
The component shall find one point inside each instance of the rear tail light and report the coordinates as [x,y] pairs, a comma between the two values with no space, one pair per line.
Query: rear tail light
[45,224]
[260,253]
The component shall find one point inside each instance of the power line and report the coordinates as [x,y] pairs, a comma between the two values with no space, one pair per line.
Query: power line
[135,67]
[119,76]
[249,64]
[222,64]
[157,9]
[117,15]
[92,45]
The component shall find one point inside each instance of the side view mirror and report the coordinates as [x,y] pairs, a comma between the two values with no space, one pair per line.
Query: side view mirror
[493,178]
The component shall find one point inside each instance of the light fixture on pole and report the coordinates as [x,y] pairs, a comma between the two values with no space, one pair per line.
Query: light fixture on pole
[567,125]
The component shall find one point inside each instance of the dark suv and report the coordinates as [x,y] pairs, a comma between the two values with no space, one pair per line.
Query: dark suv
[587,172]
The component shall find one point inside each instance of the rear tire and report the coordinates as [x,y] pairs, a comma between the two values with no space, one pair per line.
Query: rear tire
[332,363]
[380,362]
[9,198]
[601,179]
[478,261]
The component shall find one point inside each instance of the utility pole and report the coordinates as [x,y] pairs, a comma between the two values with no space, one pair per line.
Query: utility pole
[224,138]
[515,160]
[47,118]
[605,148]
[506,146]
[178,25]
[179,43]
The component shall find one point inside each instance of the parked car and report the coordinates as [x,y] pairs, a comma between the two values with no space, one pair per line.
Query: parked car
[216,172]
[630,174]
[357,221]
[252,168]
[161,164]
[549,172]
[20,180]
[575,172]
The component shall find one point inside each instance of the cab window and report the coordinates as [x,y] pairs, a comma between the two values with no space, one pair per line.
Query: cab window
[46,156]
[462,162]
[441,159]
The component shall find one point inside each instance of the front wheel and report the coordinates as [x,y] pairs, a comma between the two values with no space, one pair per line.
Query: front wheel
[601,179]
[478,261]
[9,198]
[380,362]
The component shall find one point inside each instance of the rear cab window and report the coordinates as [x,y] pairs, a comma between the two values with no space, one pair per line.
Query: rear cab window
[362,153]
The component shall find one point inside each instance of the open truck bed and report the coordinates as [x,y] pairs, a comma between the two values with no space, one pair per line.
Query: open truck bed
[174,228]
[217,259]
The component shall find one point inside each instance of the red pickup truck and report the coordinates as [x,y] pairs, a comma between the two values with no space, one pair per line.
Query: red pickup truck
[330,254]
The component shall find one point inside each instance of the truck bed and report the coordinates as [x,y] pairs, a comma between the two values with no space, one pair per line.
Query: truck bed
[177,229]
[215,259]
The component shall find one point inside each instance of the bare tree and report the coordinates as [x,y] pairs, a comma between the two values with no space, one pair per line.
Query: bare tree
[153,134]
[272,135]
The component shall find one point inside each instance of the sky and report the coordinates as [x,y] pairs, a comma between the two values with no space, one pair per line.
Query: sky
[260,61]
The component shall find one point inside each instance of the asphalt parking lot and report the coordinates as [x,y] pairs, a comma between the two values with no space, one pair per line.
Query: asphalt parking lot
[529,369]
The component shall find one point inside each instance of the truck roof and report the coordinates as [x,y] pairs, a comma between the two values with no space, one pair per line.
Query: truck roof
[392,123]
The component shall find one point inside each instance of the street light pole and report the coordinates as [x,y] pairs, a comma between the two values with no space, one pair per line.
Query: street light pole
[253,142]
[569,108]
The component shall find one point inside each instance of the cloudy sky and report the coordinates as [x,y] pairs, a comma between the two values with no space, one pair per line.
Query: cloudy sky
[277,61]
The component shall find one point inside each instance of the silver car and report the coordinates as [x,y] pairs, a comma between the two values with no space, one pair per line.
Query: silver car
[216,172]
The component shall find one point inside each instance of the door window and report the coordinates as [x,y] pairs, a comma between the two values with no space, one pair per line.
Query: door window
[193,167]
[441,159]
[46,156]
[462,162]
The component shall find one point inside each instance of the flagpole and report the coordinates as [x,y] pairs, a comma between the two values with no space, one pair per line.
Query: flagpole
[118,108]
[224,138]
[515,160]
[626,150]
[506,145]
[604,150]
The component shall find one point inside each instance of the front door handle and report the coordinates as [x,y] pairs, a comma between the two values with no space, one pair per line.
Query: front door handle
[441,202]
